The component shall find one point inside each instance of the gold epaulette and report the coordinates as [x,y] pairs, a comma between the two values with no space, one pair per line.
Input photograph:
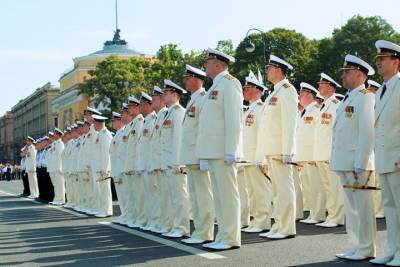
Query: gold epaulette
[260,103]
[154,116]
[229,77]
[141,118]
[177,107]
[203,93]
[367,90]
[286,85]
[317,105]
[335,101]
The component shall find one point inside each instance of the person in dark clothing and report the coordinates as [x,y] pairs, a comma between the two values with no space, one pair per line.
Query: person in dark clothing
[24,175]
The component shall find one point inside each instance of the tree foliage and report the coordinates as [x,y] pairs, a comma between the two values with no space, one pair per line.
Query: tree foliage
[116,78]
[357,37]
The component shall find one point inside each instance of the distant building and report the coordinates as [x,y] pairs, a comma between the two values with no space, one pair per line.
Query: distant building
[7,138]
[69,105]
[33,115]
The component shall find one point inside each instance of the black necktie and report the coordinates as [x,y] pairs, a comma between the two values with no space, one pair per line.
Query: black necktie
[383,91]
[345,97]
[303,112]
[323,105]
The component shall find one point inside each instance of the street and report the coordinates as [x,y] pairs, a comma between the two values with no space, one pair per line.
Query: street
[37,234]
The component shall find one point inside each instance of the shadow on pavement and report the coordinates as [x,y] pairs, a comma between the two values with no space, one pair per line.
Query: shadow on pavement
[86,245]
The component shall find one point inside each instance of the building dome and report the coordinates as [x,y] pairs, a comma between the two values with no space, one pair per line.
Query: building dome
[116,46]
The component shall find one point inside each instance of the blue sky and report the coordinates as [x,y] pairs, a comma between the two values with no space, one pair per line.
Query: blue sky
[39,38]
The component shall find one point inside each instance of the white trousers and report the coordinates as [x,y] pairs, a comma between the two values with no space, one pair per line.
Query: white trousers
[201,197]
[261,190]
[83,182]
[57,178]
[104,197]
[333,193]
[119,189]
[298,187]
[138,194]
[33,184]
[391,200]
[164,202]
[314,191]
[157,208]
[93,191]
[226,201]
[284,196]
[378,202]
[179,201]
[151,199]
[360,215]
[72,189]
[244,197]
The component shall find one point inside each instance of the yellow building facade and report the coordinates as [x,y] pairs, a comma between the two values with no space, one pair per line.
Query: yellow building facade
[70,104]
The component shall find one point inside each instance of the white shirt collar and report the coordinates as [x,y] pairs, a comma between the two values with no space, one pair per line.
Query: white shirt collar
[216,78]
[392,79]
[254,103]
[309,105]
[173,105]
[196,93]
[358,88]
[329,99]
[148,115]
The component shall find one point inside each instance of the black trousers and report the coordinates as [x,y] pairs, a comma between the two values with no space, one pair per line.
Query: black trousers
[25,182]
[41,183]
[46,189]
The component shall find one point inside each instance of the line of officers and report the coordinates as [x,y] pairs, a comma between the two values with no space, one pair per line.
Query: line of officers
[244,166]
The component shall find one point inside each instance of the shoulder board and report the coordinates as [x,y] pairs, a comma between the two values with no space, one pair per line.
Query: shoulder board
[367,90]
[229,77]
[141,119]
[335,101]
[177,107]
[260,103]
[317,105]
[154,116]
[286,85]
[203,93]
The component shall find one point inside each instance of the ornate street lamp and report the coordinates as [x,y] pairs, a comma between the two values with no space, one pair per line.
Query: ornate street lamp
[250,47]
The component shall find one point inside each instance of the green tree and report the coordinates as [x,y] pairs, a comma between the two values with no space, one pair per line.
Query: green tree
[290,45]
[226,46]
[115,78]
[170,64]
[357,37]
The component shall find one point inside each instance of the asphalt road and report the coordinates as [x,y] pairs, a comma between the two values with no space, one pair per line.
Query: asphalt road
[36,234]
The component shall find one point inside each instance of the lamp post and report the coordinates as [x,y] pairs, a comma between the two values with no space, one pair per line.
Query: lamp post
[250,47]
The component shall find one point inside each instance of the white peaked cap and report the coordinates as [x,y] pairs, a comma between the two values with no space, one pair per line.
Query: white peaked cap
[274,60]
[220,55]
[353,62]
[373,83]
[325,77]
[171,85]
[386,48]
[195,72]
[309,87]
